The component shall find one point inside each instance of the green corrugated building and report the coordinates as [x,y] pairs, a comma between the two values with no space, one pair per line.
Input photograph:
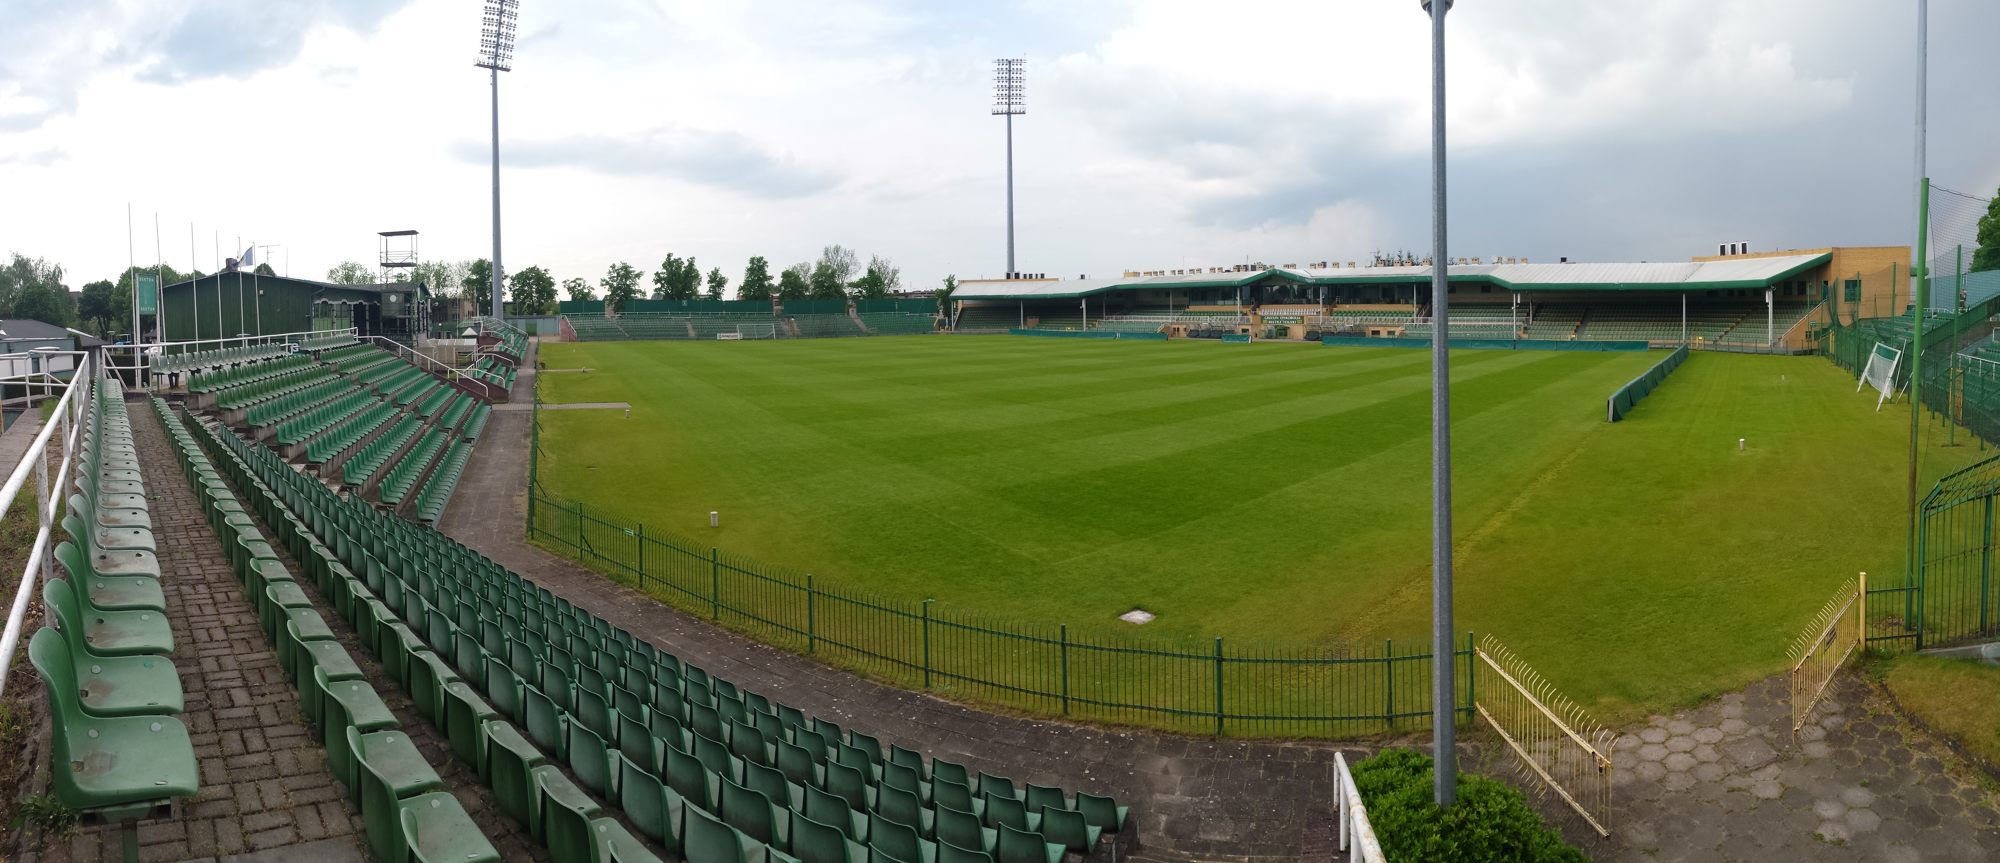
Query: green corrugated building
[229,304]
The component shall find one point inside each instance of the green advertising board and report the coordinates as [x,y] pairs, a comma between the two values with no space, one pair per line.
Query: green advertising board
[149,293]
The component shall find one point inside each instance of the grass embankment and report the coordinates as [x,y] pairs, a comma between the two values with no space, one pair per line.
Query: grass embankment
[1957,698]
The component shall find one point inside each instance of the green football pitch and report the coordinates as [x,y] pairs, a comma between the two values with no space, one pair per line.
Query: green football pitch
[1268,490]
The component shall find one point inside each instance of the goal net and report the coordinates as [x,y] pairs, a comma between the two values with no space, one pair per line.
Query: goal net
[1880,373]
[757,331]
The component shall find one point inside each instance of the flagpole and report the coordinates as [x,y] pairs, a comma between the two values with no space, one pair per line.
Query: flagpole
[132,274]
[257,289]
[194,294]
[159,307]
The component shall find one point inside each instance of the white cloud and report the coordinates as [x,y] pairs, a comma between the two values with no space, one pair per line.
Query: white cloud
[1157,131]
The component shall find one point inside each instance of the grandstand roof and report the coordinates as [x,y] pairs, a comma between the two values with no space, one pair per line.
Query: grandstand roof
[1667,276]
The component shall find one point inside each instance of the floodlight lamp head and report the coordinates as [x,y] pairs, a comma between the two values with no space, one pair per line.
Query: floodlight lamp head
[496,35]
[1427,6]
[1010,85]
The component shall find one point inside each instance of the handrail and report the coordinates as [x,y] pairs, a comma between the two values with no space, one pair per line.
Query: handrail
[430,364]
[69,417]
[1355,831]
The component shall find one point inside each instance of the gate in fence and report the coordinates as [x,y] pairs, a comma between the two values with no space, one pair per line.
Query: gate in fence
[1834,635]
[1549,734]
[1955,599]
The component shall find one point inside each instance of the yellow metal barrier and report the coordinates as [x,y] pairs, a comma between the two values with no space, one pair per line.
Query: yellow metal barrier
[1552,737]
[1819,652]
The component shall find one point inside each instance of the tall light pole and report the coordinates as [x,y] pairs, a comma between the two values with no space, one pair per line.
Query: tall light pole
[496,55]
[1444,696]
[1921,272]
[1010,82]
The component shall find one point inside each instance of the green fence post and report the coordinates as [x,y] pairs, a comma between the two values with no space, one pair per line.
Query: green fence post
[714,584]
[642,555]
[1986,568]
[927,642]
[579,530]
[1218,686]
[1389,674]
[1064,629]
[811,638]
[1471,677]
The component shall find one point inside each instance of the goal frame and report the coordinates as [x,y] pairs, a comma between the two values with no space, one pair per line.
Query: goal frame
[1887,359]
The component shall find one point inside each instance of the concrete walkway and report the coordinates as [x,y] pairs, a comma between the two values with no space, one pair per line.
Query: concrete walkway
[1721,782]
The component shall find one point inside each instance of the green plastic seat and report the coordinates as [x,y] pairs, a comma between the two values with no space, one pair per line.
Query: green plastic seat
[554,791]
[949,853]
[466,716]
[325,655]
[428,674]
[436,829]
[899,841]
[503,689]
[1011,812]
[109,763]
[817,842]
[686,775]
[110,633]
[830,809]
[851,785]
[903,778]
[544,721]
[589,759]
[709,840]
[300,626]
[394,761]
[773,784]
[950,772]
[755,815]
[904,808]
[117,593]
[1019,846]
[614,844]
[1066,827]
[1102,812]
[963,829]
[796,763]
[653,807]
[510,762]
[348,704]
[142,685]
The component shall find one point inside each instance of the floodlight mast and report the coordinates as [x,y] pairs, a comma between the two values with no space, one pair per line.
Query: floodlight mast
[1010,81]
[1444,695]
[496,55]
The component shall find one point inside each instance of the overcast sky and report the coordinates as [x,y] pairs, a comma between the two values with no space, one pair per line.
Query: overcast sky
[1157,133]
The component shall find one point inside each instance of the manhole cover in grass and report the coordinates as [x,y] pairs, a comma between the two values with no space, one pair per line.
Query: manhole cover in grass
[1137,615]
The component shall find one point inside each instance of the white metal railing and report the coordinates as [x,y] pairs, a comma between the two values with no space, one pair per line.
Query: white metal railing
[67,420]
[1357,836]
[1817,654]
[431,364]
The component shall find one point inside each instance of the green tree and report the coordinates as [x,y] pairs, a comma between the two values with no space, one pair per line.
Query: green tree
[98,306]
[579,289]
[1988,256]
[41,302]
[717,283]
[532,290]
[621,283]
[265,270]
[841,261]
[944,295]
[667,278]
[756,280]
[795,282]
[826,282]
[22,273]
[478,285]
[881,279]
[344,273]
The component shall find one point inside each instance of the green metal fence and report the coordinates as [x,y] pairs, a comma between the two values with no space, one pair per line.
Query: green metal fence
[1205,685]
[1628,396]
[1955,599]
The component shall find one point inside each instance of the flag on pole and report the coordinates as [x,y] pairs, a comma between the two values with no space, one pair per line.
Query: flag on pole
[249,258]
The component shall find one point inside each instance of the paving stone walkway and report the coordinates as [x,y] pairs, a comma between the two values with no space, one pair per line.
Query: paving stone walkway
[1722,782]
[1727,782]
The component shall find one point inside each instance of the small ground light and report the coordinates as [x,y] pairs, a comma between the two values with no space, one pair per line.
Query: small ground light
[628,413]
[1739,444]
[714,519]
[1138,616]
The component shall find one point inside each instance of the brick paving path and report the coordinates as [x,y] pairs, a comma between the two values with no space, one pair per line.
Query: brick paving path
[264,784]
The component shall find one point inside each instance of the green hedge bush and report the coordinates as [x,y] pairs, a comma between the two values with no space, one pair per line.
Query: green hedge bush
[1490,821]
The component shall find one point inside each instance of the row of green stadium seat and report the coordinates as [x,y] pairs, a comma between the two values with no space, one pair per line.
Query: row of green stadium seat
[327,342]
[319,419]
[216,358]
[357,470]
[119,749]
[278,409]
[348,432]
[694,762]
[444,479]
[405,474]
[244,395]
[223,378]
[406,812]
[898,323]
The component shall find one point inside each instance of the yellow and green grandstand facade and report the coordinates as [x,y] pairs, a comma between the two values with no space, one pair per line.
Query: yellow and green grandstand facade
[1774,299]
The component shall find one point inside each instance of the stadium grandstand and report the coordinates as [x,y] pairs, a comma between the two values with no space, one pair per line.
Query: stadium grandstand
[1776,300]
[732,320]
